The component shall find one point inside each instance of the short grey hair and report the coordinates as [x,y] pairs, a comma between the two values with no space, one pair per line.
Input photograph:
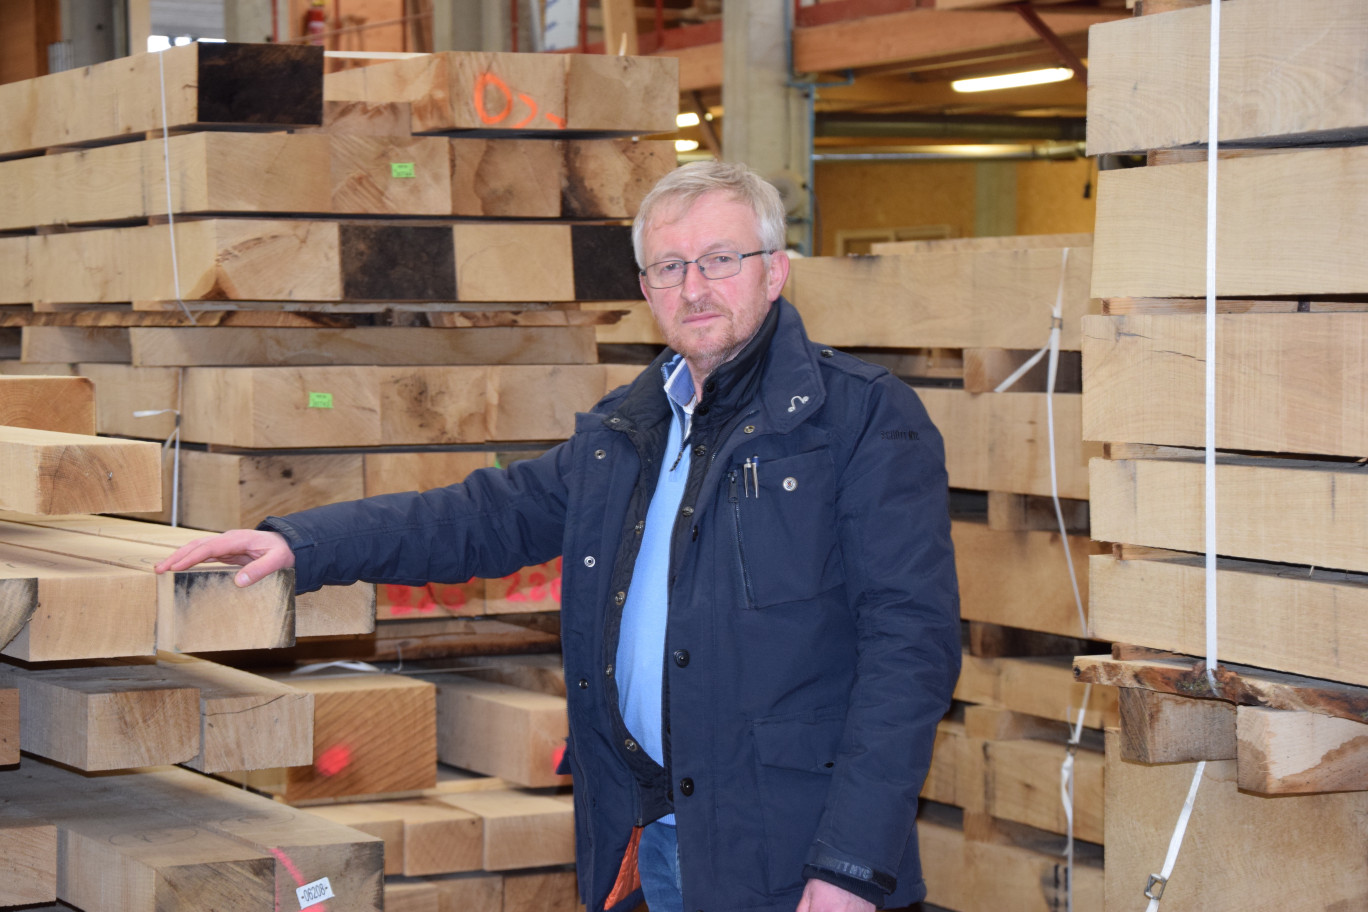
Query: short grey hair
[683,186]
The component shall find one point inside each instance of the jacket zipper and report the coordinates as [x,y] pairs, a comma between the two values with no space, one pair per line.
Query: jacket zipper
[740,545]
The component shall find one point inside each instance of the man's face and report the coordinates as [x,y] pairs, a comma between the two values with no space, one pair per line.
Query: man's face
[710,320]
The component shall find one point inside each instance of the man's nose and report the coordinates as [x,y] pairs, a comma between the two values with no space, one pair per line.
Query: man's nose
[695,284]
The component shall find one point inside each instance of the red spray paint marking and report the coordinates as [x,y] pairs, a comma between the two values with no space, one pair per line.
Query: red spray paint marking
[557,757]
[333,760]
[298,878]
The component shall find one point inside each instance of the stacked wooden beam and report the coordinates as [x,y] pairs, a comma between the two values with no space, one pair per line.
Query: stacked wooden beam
[501,720]
[1285,717]
[334,312]
[955,318]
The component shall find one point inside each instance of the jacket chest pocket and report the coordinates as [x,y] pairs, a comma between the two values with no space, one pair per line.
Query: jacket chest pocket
[783,525]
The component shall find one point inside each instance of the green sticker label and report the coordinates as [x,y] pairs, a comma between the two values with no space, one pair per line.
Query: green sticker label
[402,169]
[320,400]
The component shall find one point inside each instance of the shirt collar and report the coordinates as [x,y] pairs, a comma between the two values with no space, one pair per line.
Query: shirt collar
[679,385]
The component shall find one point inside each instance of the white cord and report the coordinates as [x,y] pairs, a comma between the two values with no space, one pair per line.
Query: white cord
[1213,120]
[1066,788]
[1052,349]
[172,438]
[1160,880]
[170,215]
[1213,148]
[1066,770]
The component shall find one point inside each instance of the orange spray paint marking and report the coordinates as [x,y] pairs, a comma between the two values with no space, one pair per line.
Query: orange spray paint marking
[485,80]
[557,758]
[333,760]
[558,121]
[527,100]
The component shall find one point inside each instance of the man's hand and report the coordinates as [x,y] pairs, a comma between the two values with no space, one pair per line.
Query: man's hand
[820,896]
[259,553]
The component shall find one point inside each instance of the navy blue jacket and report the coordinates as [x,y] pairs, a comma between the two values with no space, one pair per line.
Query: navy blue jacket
[813,636]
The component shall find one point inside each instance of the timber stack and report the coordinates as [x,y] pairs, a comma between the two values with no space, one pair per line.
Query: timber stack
[327,289]
[1279,817]
[955,318]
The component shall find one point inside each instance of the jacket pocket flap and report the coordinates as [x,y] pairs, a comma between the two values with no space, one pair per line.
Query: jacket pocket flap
[799,744]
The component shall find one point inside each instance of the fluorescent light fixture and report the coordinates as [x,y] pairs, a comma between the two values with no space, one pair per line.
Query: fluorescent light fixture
[1012,80]
[687,119]
[685,145]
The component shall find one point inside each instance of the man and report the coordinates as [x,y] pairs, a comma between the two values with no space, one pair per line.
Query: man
[760,620]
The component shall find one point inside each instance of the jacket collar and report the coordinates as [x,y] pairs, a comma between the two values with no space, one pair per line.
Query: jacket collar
[776,371]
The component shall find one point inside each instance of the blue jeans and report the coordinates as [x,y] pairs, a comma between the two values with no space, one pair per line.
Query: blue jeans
[658,864]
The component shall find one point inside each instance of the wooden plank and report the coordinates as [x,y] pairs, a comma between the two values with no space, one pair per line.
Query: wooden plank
[986,368]
[1274,616]
[980,244]
[28,858]
[372,734]
[1000,441]
[224,346]
[943,779]
[222,491]
[1031,512]
[121,390]
[1020,579]
[248,721]
[381,819]
[1299,753]
[57,344]
[507,178]
[197,609]
[9,725]
[287,260]
[520,92]
[53,472]
[1239,684]
[1031,877]
[115,855]
[330,611]
[210,172]
[388,175]
[541,891]
[248,85]
[944,299]
[901,36]
[1040,686]
[388,473]
[468,891]
[1288,73]
[942,853]
[1151,227]
[89,610]
[1285,383]
[521,829]
[608,178]
[1021,784]
[305,848]
[1158,502]
[106,718]
[499,730]
[439,838]
[1320,841]
[1165,728]
[488,255]
[65,404]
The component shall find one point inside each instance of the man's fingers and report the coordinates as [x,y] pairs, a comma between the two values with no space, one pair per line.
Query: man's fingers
[263,567]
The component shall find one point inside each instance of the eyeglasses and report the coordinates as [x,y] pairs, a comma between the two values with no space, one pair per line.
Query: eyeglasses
[723,264]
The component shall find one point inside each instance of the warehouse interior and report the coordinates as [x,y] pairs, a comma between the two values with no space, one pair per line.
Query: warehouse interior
[261,256]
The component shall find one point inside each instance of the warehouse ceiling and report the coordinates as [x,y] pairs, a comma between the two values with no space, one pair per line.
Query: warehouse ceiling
[883,69]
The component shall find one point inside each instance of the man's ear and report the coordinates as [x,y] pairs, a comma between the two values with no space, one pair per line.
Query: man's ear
[641,280]
[777,274]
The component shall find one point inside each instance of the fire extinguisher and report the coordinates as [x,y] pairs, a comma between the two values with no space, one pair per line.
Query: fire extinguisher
[315,22]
